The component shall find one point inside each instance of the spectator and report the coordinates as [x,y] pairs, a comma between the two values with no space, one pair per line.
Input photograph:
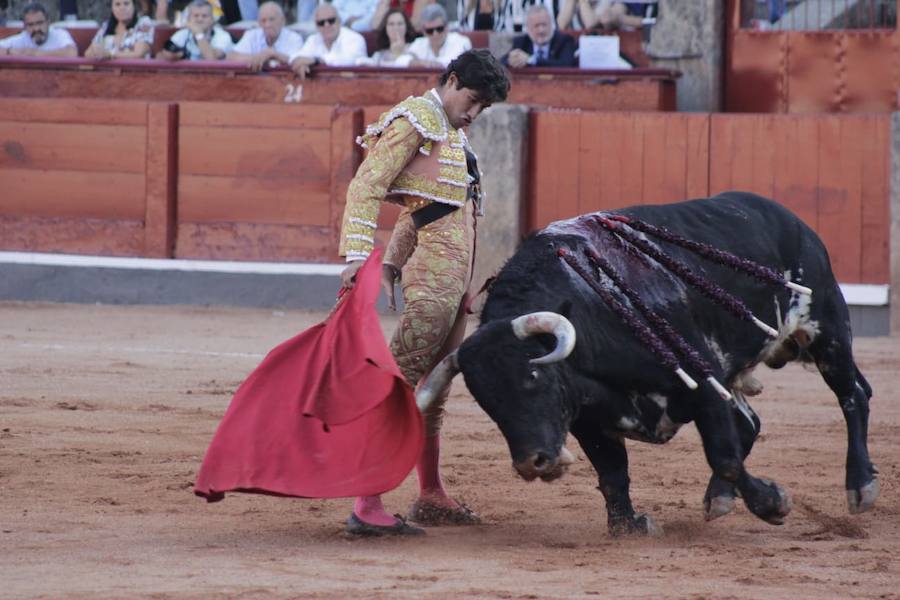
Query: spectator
[411,8]
[356,14]
[234,11]
[500,15]
[271,43]
[541,46]
[202,39]
[479,14]
[124,35]
[158,8]
[305,10]
[392,46]
[332,44]
[606,13]
[439,46]
[38,39]
[68,10]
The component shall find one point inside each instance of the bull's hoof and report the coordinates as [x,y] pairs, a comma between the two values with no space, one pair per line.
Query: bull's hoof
[713,508]
[772,506]
[719,498]
[861,500]
[639,524]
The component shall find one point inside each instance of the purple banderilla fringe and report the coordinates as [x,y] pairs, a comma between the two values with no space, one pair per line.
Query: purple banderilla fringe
[714,254]
[643,333]
[667,332]
[709,289]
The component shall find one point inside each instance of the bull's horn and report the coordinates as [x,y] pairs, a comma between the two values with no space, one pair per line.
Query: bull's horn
[547,322]
[439,378]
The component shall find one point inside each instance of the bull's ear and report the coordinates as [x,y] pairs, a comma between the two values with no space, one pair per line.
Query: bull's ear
[565,309]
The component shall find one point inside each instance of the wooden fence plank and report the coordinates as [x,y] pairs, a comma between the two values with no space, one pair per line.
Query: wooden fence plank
[74,110]
[104,237]
[796,166]
[162,180]
[567,138]
[590,155]
[302,155]
[631,164]
[542,169]
[255,241]
[721,140]
[72,147]
[653,159]
[344,159]
[204,199]
[29,192]
[837,215]
[876,212]
[609,131]
[699,156]
[257,116]
[762,160]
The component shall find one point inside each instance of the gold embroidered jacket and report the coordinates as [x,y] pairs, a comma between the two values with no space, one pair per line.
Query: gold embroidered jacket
[414,158]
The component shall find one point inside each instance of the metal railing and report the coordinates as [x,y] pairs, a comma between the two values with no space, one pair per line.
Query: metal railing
[818,15]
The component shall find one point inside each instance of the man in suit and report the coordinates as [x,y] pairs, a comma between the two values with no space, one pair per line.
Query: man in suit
[542,46]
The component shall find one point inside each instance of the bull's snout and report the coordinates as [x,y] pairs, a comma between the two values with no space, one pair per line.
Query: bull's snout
[541,464]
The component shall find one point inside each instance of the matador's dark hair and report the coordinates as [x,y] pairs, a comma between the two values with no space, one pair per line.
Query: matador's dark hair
[479,71]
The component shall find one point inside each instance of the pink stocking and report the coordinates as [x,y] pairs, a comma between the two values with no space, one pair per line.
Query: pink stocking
[431,488]
[371,510]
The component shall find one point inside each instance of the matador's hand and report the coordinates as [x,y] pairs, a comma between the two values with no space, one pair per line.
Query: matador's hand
[389,276]
[348,275]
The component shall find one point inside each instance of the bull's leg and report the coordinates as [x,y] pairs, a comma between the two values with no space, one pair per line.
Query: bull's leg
[610,460]
[834,358]
[724,451]
[720,494]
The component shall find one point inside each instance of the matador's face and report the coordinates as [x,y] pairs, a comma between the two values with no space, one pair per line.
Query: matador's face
[462,105]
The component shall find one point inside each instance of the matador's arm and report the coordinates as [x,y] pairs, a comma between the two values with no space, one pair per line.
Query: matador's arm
[403,241]
[396,146]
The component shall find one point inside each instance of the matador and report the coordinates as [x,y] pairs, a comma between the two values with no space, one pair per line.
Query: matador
[419,157]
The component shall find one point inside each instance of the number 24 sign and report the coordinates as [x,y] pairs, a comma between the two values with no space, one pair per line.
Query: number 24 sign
[293,93]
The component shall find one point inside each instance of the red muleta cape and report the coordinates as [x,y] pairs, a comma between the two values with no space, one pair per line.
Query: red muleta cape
[326,414]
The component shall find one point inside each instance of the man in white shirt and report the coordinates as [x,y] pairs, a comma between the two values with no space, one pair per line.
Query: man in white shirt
[38,39]
[331,44]
[438,46]
[200,40]
[270,43]
[356,14]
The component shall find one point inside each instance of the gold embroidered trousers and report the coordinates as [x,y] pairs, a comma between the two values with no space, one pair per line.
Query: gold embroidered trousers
[434,280]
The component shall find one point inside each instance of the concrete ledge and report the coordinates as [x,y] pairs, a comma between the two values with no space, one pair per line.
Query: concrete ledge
[110,280]
[87,279]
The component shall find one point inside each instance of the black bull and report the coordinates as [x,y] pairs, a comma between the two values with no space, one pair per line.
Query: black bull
[615,383]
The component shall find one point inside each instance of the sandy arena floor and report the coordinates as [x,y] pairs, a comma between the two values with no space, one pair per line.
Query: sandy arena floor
[105,413]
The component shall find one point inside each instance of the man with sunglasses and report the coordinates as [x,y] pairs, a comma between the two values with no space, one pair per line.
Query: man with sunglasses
[419,157]
[438,46]
[332,44]
[38,39]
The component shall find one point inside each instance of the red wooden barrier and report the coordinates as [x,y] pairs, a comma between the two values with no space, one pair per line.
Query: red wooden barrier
[263,184]
[86,176]
[833,70]
[222,81]
[586,162]
[833,171]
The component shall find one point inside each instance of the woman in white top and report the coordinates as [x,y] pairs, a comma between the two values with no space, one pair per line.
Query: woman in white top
[124,35]
[393,42]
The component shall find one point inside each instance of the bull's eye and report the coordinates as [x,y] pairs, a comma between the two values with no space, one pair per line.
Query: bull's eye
[533,375]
